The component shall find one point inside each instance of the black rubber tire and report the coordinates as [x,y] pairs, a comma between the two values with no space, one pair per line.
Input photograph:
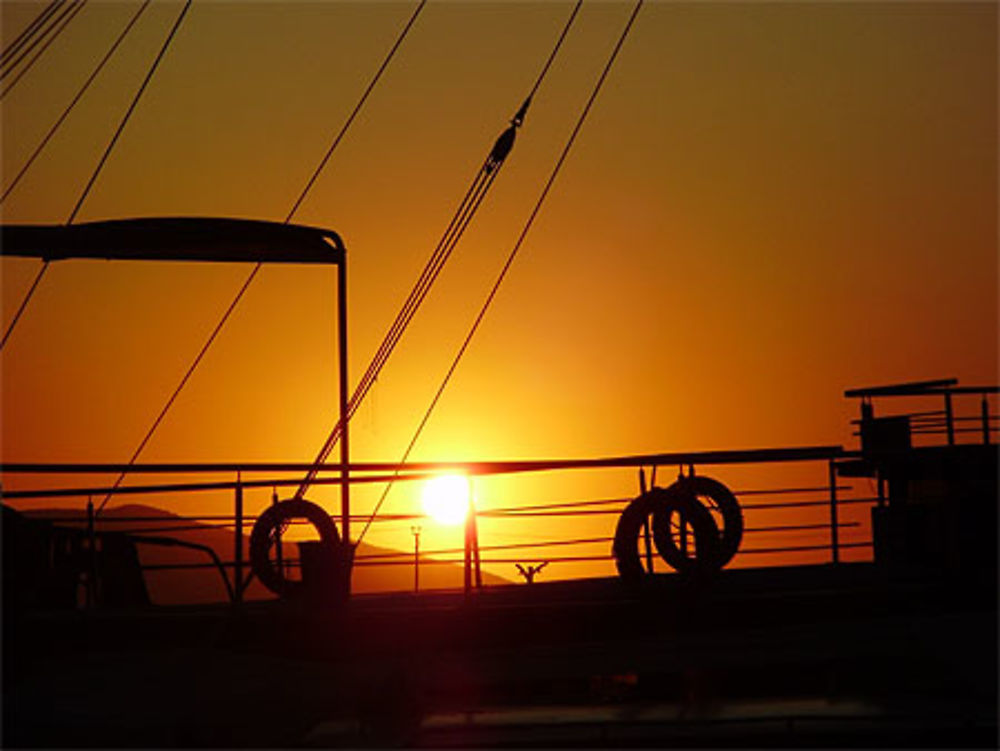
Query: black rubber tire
[732,518]
[261,541]
[663,502]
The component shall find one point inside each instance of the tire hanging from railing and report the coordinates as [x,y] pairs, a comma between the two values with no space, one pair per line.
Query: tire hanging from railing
[689,505]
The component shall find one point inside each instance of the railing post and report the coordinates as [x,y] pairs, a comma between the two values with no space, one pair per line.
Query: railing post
[238,541]
[91,590]
[279,559]
[949,419]
[467,568]
[475,550]
[415,529]
[647,539]
[834,540]
[984,411]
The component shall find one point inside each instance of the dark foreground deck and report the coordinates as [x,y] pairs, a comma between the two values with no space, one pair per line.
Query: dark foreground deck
[800,656]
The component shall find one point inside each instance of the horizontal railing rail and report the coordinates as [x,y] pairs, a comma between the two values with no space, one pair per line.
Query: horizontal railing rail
[831,496]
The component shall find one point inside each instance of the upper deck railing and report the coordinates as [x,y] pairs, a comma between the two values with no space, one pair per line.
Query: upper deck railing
[936,422]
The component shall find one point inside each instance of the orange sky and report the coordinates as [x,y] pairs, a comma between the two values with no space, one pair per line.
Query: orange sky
[770,203]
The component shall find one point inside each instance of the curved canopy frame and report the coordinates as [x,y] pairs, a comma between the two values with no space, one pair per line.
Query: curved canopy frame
[207,239]
[175,239]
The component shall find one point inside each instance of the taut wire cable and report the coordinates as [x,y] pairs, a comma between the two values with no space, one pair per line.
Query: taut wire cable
[79,94]
[510,259]
[453,233]
[253,273]
[38,37]
[77,7]
[30,30]
[45,264]
[121,128]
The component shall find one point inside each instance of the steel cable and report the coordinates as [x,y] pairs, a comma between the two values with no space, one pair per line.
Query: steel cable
[510,258]
[29,31]
[253,273]
[38,37]
[460,220]
[77,7]
[45,264]
[72,104]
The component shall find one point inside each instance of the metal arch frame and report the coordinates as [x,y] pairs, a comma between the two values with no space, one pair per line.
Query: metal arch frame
[202,239]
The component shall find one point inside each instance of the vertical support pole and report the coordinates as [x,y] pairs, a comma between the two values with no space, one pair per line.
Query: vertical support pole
[416,557]
[238,541]
[647,540]
[834,530]
[984,413]
[467,569]
[279,561]
[475,548]
[345,455]
[949,419]
[91,590]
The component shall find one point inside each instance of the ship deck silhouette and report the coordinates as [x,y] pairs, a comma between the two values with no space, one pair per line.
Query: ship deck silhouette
[898,650]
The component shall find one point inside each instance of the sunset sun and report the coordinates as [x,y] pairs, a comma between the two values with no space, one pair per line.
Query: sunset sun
[446,498]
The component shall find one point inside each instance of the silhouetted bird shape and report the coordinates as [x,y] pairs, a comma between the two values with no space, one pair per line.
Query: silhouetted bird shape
[530,572]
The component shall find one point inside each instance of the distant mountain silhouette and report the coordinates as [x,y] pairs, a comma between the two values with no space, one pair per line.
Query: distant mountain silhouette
[202,585]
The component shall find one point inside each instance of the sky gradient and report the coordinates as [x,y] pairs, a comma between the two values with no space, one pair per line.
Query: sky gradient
[769,203]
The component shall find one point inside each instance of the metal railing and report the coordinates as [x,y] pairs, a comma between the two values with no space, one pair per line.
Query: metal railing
[829,498]
[942,421]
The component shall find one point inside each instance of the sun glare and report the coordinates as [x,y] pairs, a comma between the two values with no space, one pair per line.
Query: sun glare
[446,498]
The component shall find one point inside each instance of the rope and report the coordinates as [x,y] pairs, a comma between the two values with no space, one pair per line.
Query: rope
[460,220]
[107,153]
[456,228]
[257,267]
[72,104]
[39,37]
[128,114]
[555,50]
[77,7]
[29,31]
[180,386]
[24,304]
[357,109]
[45,264]
[510,259]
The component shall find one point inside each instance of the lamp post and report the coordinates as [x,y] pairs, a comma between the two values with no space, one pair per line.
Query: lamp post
[416,557]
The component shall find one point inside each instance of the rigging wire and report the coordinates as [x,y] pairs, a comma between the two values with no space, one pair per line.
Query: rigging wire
[460,220]
[510,258]
[77,7]
[72,104]
[128,113]
[35,39]
[355,111]
[118,132]
[21,39]
[24,303]
[96,172]
[254,271]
